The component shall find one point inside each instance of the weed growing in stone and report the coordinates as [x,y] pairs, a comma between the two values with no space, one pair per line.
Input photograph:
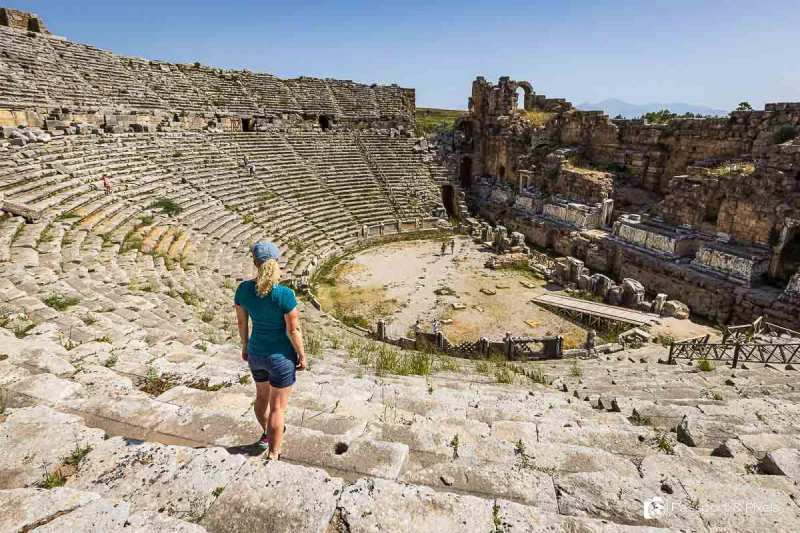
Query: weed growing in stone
[191,297]
[111,361]
[717,396]
[202,384]
[447,364]
[454,444]
[664,442]
[167,206]
[523,459]
[60,302]
[638,419]
[207,315]
[536,374]
[105,338]
[3,357]
[503,375]
[147,220]
[313,344]
[218,492]
[202,346]
[52,479]
[228,283]
[704,365]
[482,367]
[77,455]
[575,369]
[156,384]
[89,319]
[21,331]
[335,343]
[665,340]
[244,379]
[496,518]
[430,388]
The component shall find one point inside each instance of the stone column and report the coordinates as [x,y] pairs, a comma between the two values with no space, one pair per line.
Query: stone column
[606,211]
[575,269]
[380,333]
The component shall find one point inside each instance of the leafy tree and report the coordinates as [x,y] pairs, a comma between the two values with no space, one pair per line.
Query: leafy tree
[744,106]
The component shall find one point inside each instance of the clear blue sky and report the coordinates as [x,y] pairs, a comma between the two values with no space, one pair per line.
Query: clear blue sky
[711,53]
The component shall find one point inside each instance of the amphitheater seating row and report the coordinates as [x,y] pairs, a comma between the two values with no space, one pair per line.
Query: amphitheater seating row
[47,71]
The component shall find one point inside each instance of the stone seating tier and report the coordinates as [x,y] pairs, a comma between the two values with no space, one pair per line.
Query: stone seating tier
[48,72]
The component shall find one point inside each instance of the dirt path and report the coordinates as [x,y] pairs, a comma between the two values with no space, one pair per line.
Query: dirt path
[411,273]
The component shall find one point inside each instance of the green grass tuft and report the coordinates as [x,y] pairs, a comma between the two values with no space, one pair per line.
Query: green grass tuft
[704,365]
[60,302]
[167,206]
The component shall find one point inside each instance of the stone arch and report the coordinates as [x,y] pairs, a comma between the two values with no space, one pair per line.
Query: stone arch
[527,90]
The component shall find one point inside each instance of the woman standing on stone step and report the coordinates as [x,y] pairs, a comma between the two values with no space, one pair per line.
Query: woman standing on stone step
[274,350]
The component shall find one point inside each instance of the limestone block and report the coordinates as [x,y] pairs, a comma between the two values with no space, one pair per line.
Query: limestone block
[584,283]
[47,388]
[632,292]
[21,209]
[152,476]
[658,303]
[379,505]
[676,309]
[33,437]
[277,497]
[601,285]
[21,508]
[614,296]
[782,462]
[503,480]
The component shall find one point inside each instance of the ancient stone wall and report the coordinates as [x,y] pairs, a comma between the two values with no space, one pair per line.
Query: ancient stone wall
[576,215]
[21,21]
[744,269]
[650,153]
[89,81]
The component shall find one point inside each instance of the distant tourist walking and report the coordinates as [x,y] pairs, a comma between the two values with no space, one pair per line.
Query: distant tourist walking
[452,246]
[274,350]
[106,184]
[444,248]
[252,169]
[417,327]
[436,326]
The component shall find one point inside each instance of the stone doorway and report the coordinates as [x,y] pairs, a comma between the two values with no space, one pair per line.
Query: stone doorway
[465,173]
[450,201]
[324,123]
[247,124]
[789,261]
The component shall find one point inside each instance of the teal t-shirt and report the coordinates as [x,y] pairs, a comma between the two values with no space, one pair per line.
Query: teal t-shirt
[268,335]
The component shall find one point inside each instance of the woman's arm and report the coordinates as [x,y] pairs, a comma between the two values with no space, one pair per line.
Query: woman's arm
[296,336]
[243,320]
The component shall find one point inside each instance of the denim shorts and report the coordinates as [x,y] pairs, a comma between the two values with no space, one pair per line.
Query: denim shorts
[277,369]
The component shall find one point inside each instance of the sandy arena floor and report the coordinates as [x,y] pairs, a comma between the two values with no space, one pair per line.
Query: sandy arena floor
[410,272]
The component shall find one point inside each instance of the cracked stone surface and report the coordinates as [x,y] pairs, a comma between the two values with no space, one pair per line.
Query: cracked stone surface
[276,497]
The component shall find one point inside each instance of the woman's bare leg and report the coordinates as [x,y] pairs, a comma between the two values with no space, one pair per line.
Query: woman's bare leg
[278,399]
[261,407]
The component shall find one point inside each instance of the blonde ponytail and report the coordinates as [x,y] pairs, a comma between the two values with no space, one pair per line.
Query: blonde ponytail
[269,273]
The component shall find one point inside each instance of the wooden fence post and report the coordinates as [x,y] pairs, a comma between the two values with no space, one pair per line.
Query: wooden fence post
[736,354]
[671,352]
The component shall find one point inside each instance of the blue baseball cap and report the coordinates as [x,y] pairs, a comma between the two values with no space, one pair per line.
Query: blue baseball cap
[265,250]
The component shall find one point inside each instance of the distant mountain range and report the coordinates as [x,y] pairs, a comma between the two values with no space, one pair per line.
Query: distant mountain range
[614,107]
